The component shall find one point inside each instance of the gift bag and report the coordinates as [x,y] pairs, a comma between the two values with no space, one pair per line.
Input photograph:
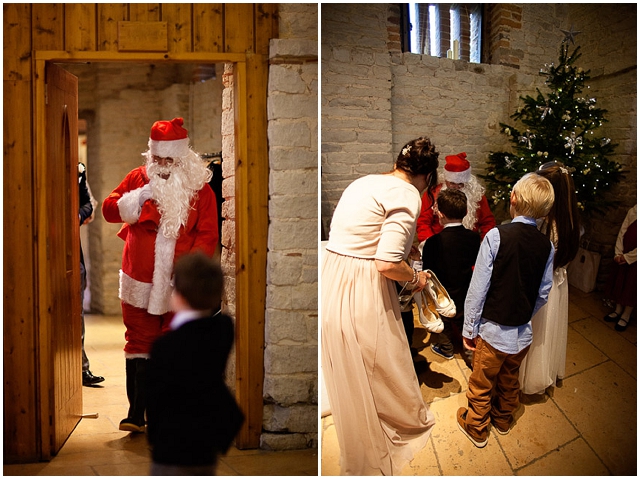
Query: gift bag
[583,270]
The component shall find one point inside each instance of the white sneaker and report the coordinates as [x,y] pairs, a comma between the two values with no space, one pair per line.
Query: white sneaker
[443,303]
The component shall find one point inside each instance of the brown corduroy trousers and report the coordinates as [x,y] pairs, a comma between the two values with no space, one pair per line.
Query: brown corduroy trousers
[494,389]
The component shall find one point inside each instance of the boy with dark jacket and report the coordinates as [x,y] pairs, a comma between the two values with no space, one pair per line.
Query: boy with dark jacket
[191,415]
[451,255]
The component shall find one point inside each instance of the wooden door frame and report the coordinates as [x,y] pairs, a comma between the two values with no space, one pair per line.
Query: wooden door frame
[251,214]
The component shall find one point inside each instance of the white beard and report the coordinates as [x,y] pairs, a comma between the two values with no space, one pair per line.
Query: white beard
[473,191]
[174,195]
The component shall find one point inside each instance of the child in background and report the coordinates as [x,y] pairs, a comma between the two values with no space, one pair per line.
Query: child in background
[451,255]
[510,283]
[622,284]
[191,415]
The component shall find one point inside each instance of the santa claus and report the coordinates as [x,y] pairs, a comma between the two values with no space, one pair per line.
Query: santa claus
[168,209]
[457,175]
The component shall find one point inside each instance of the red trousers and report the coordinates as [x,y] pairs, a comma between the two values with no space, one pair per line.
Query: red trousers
[494,390]
[142,329]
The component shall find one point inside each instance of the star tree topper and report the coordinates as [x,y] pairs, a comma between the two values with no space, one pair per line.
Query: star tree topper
[570,35]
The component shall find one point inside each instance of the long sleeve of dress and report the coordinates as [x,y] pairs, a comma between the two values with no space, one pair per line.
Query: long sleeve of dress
[630,256]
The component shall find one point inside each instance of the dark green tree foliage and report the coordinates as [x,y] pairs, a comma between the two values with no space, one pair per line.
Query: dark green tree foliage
[557,127]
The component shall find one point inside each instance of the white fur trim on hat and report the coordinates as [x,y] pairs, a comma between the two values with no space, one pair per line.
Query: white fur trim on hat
[170,148]
[458,176]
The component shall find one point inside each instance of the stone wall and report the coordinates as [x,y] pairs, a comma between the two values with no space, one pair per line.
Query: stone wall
[228,233]
[375,98]
[608,44]
[291,319]
[356,98]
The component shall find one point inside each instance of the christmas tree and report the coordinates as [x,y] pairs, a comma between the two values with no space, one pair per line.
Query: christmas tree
[559,126]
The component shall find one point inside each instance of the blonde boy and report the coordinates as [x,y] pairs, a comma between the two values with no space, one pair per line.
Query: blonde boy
[511,281]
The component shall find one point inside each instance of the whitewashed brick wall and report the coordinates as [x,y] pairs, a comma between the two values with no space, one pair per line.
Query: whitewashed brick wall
[291,320]
[356,106]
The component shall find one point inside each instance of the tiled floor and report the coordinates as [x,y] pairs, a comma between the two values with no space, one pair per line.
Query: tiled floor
[98,448]
[585,427]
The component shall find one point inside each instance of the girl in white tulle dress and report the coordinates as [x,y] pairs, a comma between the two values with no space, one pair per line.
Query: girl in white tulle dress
[545,361]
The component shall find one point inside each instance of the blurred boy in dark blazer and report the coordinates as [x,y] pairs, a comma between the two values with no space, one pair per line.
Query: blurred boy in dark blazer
[191,415]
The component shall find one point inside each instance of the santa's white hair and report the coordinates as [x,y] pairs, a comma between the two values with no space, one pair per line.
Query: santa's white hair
[187,176]
[473,191]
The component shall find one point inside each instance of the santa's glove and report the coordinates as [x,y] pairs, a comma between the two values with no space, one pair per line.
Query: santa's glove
[130,204]
[145,194]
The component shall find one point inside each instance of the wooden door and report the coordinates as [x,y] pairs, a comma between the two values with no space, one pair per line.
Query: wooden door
[60,322]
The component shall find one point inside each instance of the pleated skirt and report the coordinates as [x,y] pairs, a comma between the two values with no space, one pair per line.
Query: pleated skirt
[380,417]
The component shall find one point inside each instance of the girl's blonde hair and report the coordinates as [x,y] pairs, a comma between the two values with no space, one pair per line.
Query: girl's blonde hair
[533,196]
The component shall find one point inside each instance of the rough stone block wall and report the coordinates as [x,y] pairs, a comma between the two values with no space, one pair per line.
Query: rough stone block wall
[290,391]
[608,44]
[228,233]
[356,97]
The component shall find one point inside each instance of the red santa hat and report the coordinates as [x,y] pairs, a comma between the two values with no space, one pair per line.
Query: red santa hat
[168,139]
[457,169]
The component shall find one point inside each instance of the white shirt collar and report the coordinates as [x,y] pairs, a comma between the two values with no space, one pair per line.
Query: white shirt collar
[183,317]
[453,224]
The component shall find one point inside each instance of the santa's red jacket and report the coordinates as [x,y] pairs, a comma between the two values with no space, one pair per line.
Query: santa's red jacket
[429,224]
[148,257]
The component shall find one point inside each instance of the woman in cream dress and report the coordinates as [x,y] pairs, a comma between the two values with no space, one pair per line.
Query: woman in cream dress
[545,361]
[380,417]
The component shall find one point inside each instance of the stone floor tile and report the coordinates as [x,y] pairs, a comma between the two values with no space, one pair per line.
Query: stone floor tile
[438,377]
[89,443]
[457,456]
[581,354]
[330,449]
[585,427]
[589,302]
[285,463]
[577,313]
[602,404]
[611,342]
[223,469]
[425,462]
[124,469]
[530,439]
[573,459]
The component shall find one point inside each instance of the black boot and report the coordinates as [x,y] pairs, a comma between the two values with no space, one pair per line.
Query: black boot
[136,370]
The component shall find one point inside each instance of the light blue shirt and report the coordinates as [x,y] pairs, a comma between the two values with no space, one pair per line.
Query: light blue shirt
[508,339]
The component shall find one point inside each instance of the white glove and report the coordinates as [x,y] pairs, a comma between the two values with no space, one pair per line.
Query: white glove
[145,194]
